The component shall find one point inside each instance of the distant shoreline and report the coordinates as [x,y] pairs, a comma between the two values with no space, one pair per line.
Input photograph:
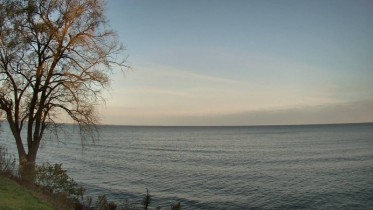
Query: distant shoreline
[259,125]
[262,125]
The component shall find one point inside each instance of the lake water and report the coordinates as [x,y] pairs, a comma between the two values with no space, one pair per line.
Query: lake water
[256,167]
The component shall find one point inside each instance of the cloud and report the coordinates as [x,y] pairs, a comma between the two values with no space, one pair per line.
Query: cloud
[351,112]
[169,73]
[237,88]
[159,92]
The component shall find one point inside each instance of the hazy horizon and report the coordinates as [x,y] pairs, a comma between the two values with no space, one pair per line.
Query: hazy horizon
[259,125]
[242,63]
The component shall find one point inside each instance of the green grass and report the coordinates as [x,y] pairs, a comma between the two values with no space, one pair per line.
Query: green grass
[16,197]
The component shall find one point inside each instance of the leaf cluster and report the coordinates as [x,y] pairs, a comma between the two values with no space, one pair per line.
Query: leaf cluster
[56,180]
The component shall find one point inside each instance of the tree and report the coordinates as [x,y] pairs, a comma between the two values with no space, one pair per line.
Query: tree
[56,57]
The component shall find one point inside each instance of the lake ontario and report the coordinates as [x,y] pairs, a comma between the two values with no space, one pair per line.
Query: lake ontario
[245,167]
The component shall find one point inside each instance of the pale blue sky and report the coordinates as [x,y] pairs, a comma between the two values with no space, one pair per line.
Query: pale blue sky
[210,62]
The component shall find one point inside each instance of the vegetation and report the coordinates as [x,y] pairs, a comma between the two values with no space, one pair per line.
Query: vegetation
[13,196]
[7,162]
[176,206]
[147,200]
[53,186]
[56,57]
[55,180]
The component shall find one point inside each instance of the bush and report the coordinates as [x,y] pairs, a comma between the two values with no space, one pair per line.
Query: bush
[7,162]
[103,204]
[55,180]
[147,200]
[64,190]
[176,206]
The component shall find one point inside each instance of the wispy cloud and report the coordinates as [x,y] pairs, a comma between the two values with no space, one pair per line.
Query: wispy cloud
[261,90]
[348,112]
[155,91]
[163,72]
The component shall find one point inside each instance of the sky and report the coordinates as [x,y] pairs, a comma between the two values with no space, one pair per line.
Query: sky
[215,62]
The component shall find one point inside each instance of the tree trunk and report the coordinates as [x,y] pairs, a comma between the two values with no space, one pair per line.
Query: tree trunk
[17,136]
[27,168]
[29,165]
[26,160]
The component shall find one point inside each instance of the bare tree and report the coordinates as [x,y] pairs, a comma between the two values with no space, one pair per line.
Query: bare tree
[56,57]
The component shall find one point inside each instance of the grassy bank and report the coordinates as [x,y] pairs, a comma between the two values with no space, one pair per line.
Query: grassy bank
[15,196]
[53,189]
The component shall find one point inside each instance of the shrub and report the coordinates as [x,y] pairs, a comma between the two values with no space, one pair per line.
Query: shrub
[7,162]
[55,180]
[84,204]
[147,200]
[103,204]
[176,206]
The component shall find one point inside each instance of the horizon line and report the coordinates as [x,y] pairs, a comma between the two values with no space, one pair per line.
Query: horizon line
[257,125]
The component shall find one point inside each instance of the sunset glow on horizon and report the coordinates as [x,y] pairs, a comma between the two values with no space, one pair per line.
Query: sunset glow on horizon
[242,62]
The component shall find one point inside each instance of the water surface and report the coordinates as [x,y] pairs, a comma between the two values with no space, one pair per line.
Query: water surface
[256,167]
